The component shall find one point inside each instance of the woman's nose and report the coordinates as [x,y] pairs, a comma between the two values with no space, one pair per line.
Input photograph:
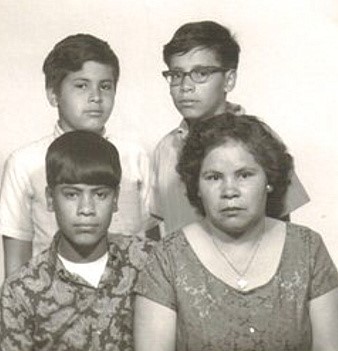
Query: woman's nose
[229,188]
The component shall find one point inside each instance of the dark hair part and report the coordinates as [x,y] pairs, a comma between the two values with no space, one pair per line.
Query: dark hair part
[71,53]
[269,152]
[205,34]
[82,157]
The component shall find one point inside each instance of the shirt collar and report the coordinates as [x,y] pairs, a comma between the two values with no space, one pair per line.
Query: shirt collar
[61,271]
[183,127]
[53,249]
[58,131]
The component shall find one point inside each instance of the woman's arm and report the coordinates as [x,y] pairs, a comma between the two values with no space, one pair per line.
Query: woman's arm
[154,326]
[324,320]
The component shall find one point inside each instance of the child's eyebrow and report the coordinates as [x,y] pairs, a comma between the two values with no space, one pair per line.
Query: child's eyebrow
[71,186]
[107,81]
[100,187]
[83,79]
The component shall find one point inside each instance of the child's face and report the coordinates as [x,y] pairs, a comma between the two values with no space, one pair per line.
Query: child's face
[200,100]
[83,213]
[86,98]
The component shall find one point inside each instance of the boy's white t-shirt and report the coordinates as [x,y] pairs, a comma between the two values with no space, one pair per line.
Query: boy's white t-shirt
[89,271]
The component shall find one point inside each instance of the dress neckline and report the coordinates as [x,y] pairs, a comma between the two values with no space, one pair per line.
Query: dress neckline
[230,287]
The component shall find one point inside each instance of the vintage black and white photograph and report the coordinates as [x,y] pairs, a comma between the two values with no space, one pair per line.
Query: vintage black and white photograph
[169,175]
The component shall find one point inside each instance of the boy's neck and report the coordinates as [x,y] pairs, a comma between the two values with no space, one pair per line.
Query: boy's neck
[102,132]
[81,254]
[191,122]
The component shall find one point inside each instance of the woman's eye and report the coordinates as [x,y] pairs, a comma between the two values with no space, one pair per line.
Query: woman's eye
[245,175]
[212,177]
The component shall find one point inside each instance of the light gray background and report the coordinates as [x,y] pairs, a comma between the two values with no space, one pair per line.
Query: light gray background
[288,76]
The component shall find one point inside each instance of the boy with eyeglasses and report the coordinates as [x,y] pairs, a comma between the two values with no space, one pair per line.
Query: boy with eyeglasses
[77,294]
[202,58]
[81,76]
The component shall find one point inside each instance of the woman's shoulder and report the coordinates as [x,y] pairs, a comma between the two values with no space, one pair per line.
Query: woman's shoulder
[302,233]
[304,242]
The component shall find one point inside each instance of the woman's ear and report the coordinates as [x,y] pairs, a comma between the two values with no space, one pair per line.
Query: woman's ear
[52,97]
[230,80]
[49,199]
[269,188]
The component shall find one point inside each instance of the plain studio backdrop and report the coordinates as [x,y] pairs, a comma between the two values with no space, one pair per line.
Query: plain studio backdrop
[288,76]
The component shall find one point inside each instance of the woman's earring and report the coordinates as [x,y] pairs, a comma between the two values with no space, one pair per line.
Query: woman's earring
[269,188]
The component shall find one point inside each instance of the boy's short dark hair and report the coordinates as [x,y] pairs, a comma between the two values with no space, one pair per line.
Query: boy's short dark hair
[259,140]
[71,53]
[82,157]
[205,34]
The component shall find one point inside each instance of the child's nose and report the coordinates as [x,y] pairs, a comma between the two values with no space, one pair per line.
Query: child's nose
[95,95]
[86,205]
[187,84]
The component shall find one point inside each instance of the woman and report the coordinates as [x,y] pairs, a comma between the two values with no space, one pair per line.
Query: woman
[238,279]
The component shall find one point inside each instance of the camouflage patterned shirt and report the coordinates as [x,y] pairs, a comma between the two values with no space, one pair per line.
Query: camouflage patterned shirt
[44,307]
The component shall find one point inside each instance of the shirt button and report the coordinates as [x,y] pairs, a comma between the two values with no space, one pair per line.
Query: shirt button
[252,330]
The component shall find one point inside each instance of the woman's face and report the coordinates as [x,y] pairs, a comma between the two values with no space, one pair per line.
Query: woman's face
[233,188]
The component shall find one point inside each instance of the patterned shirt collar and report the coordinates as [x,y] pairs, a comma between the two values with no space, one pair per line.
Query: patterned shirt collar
[60,269]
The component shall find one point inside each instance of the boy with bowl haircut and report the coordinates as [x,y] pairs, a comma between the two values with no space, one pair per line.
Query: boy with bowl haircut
[76,295]
[202,59]
[81,75]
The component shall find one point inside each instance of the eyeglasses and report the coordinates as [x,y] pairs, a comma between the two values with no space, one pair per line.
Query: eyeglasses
[197,75]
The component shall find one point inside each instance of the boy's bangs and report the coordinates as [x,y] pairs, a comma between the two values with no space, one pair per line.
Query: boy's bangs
[91,173]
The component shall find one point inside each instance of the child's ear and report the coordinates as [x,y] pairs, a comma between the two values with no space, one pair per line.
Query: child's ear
[230,80]
[52,97]
[116,199]
[49,199]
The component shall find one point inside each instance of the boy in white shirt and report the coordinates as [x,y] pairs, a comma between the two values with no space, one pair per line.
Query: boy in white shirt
[81,75]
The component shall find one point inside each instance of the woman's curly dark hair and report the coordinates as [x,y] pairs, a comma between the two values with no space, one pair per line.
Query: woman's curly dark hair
[268,150]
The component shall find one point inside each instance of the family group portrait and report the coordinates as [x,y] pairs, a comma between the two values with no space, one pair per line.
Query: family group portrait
[169,175]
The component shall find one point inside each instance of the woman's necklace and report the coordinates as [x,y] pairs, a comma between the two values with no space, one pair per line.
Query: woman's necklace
[241,281]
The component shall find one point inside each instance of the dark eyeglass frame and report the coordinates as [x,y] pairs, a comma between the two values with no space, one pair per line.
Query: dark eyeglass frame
[207,70]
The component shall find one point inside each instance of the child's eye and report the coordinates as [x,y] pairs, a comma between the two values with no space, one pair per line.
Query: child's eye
[107,86]
[70,195]
[176,74]
[101,195]
[81,86]
[201,72]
